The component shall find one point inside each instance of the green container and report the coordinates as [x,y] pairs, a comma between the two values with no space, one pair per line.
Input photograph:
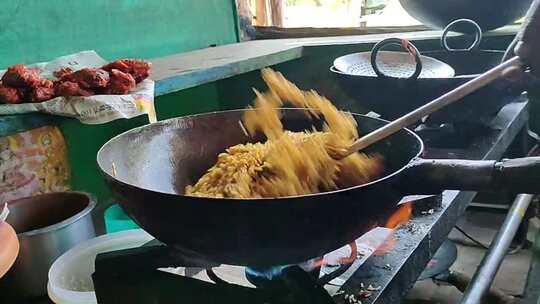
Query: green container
[116,220]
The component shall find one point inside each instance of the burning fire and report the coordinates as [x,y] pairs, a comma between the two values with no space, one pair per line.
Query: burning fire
[398,218]
[382,240]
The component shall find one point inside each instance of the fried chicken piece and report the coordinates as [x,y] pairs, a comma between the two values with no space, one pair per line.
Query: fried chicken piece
[19,76]
[120,65]
[89,78]
[63,73]
[42,91]
[139,69]
[10,95]
[69,88]
[120,83]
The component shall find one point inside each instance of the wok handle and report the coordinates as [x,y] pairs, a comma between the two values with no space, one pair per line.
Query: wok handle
[430,176]
[405,44]
[477,33]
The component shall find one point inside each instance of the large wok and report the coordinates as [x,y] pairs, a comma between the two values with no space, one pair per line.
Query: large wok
[489,14]
[148,167]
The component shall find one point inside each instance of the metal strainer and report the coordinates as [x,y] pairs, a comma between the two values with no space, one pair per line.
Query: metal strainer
[393,64]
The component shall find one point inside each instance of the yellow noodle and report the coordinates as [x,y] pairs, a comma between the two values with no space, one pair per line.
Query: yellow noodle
[288,163]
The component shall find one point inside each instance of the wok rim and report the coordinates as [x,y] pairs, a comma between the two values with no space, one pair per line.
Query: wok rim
[249,200]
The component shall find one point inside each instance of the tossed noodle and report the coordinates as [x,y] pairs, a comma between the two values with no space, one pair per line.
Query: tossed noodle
[288,163]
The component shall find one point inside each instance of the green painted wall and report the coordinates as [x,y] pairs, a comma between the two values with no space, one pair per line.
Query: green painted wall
[38,30]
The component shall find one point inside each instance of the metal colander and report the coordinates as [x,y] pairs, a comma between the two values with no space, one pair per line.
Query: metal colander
[393,64]
[409,64]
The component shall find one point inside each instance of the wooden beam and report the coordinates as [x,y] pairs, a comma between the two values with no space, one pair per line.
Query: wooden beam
[244,9]
[245,20]
[276,9]
[261,13]
[274,32]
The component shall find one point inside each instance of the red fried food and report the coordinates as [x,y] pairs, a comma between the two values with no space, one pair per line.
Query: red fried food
[120,83]
[19,76]
[66,88]
[10,95]
[139,69]
[69,88]
[63,73]
[89,78]
[120,65]
[44,90]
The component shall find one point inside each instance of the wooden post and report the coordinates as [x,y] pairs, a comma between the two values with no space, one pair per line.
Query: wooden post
[243,9]
[363,12]
[261,13]
[276,9]
[245,20]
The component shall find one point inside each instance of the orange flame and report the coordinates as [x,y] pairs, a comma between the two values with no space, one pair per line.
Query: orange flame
[400,217]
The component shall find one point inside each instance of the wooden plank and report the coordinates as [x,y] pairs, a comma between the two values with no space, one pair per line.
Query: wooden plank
[181,71]
[276,9]
[243,8]
[275,32]
[261,13]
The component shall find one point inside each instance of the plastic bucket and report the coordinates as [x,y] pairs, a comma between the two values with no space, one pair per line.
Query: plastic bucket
[70,280]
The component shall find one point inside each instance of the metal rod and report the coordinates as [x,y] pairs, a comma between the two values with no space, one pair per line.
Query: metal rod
[434,105]
[485,274]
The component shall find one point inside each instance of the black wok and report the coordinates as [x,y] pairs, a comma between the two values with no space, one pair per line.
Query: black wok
[394,97]
[147,169]
[489,14]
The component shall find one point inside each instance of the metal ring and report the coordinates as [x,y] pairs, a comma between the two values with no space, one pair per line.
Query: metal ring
[474,45]
[404,43]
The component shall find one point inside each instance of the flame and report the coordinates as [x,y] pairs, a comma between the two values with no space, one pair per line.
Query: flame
[398,218]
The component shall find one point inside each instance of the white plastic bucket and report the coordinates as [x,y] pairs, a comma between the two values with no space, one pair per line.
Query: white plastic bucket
[70,276]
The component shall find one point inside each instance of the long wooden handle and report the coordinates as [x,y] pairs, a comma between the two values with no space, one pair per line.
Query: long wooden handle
[438,103]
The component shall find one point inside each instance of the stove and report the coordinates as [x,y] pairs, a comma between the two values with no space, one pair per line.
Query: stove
[380,267]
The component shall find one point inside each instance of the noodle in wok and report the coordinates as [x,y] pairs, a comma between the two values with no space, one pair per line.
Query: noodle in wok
[288,163]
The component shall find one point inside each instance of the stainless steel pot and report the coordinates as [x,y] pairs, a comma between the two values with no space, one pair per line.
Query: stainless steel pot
[47,225]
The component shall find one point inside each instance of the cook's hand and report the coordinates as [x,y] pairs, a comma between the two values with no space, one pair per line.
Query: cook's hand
[526,45]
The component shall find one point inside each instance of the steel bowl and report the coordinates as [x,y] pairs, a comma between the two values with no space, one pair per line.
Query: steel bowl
[47,225]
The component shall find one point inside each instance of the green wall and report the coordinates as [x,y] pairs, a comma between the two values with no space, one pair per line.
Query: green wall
[39,30]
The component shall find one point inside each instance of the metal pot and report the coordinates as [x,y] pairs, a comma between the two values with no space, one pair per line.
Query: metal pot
[489,14]
[47,225]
